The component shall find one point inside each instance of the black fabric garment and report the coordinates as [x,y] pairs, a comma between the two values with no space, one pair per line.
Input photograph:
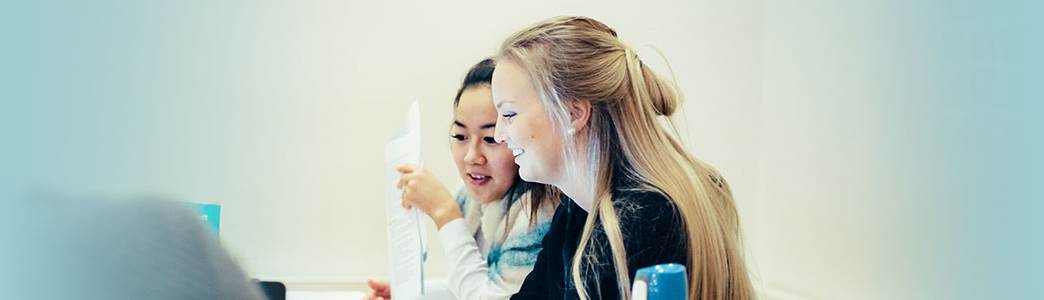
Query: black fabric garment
[653,234]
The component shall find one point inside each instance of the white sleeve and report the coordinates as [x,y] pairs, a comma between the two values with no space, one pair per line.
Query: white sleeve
[437,289]
[468,277]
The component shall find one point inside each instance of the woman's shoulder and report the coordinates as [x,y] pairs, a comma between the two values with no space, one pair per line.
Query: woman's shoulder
[647,213]
[643,201]
[652,227]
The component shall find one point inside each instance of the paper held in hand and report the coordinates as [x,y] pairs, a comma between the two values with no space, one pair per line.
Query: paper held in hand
[407,246]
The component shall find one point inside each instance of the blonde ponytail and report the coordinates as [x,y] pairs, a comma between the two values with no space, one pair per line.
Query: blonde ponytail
[581,59]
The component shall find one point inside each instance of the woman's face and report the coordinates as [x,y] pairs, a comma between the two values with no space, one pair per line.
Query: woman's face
[524,125]
[485,165]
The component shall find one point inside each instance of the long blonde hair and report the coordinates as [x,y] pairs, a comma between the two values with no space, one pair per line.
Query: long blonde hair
[581,59]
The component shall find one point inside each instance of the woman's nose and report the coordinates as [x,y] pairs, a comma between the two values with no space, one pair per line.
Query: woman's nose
[499,133]
[474,155]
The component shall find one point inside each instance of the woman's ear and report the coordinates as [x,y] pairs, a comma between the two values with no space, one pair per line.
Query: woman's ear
[580,113]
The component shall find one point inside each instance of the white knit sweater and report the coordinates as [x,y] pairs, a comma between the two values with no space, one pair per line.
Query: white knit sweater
[494,247]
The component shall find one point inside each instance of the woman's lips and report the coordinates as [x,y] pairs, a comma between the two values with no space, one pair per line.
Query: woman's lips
[478,179]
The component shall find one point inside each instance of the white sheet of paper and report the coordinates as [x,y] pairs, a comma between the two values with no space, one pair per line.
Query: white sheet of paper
[407,246]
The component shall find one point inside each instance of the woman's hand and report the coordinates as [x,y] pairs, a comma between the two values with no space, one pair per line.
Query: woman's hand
[379,290]
[420,189]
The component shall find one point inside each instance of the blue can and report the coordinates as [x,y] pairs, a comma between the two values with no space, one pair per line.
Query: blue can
[664,281]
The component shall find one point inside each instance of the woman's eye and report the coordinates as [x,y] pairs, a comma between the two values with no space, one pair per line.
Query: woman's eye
[459,137]
[508,115]
[489,140]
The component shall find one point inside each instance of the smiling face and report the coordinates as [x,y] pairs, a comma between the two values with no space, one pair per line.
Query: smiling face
[525,126]
[485,165]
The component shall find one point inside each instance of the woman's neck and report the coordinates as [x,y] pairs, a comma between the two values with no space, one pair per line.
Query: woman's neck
[577,186]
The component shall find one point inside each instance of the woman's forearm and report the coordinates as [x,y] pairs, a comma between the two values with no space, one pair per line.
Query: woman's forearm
[468,273]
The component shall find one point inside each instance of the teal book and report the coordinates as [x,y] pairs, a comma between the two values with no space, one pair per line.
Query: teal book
[210,214]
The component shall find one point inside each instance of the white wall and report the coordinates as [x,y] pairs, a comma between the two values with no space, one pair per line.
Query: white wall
[313,214]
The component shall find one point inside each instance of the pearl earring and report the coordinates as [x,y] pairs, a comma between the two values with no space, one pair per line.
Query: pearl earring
[571,131]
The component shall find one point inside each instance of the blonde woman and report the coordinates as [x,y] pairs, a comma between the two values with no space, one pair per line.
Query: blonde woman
[581,112]
[498,221]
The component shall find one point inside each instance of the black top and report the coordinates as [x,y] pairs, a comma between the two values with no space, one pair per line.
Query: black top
[652,233]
